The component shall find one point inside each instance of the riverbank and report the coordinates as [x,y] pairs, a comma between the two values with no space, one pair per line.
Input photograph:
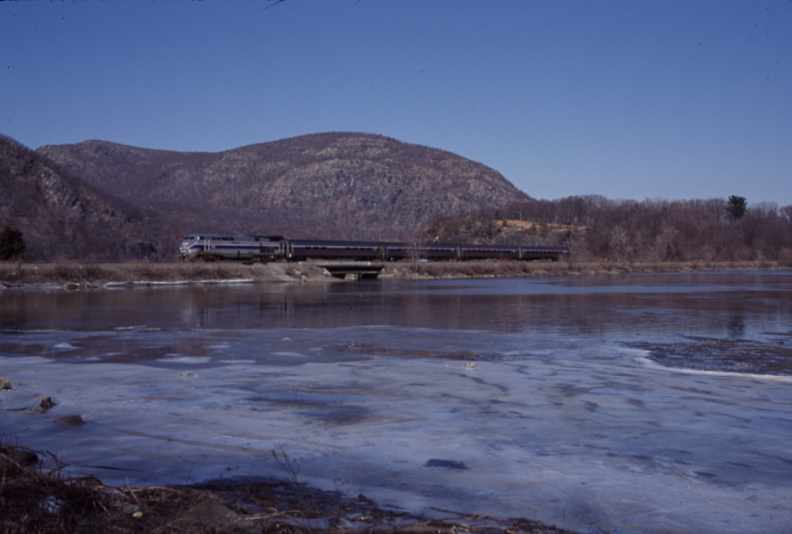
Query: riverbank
[39,497]
[77,275]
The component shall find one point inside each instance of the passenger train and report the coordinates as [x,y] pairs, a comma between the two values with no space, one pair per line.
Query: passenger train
[211,247]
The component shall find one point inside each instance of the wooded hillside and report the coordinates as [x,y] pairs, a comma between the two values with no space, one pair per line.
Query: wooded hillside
[103,201]
[331,186]
[61,216]
[597,228]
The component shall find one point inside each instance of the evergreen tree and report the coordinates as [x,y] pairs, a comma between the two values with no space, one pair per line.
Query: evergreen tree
[12,246]
[737,207]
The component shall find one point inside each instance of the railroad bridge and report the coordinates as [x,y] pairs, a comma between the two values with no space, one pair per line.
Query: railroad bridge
[347,270]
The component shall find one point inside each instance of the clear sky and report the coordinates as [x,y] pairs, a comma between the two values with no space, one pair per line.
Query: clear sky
[628,99]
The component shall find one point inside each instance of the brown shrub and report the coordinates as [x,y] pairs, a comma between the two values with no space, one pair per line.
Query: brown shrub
[785,257]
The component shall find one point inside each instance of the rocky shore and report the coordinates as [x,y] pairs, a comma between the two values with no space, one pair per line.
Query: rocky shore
[38,497]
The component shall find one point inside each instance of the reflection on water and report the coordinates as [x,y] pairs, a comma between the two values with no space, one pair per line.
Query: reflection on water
[736,326]
[649,309]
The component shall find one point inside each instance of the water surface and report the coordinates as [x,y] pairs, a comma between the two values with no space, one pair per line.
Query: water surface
[634,403]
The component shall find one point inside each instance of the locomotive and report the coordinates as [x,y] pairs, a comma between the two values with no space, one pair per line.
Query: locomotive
[211,247]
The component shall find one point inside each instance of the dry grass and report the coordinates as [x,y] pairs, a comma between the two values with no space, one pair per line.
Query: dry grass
[505,269]
[33,500]
[552,227]
[77,274]
[85,275]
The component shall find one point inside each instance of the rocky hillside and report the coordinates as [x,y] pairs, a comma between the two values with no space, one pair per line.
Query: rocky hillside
[333,185]
[63,217]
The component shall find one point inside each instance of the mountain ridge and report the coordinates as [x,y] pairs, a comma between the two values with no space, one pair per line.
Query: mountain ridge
[327,185]
[98,200]
[61,215]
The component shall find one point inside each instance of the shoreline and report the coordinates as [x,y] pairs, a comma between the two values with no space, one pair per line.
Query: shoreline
[41,497]
[86,275]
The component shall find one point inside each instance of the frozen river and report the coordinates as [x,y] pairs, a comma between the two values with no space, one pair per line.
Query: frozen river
[628,404]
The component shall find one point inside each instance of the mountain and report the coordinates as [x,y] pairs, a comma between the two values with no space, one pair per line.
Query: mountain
[62,216]
[330,185]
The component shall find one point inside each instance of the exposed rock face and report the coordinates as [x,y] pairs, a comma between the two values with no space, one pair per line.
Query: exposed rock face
[103,201]
[334,185]
[59,215]
[27,180]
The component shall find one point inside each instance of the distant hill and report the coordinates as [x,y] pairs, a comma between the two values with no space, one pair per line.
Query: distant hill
[331,185]
[61,216]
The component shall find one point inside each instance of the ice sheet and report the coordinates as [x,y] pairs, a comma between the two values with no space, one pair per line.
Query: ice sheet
[572,432]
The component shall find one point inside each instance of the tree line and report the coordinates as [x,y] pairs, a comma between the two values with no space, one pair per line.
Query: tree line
[597,228]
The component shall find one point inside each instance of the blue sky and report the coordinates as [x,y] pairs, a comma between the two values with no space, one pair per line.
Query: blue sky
[627,99]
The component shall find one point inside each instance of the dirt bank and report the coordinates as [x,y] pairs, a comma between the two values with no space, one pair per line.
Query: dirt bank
[76,275]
